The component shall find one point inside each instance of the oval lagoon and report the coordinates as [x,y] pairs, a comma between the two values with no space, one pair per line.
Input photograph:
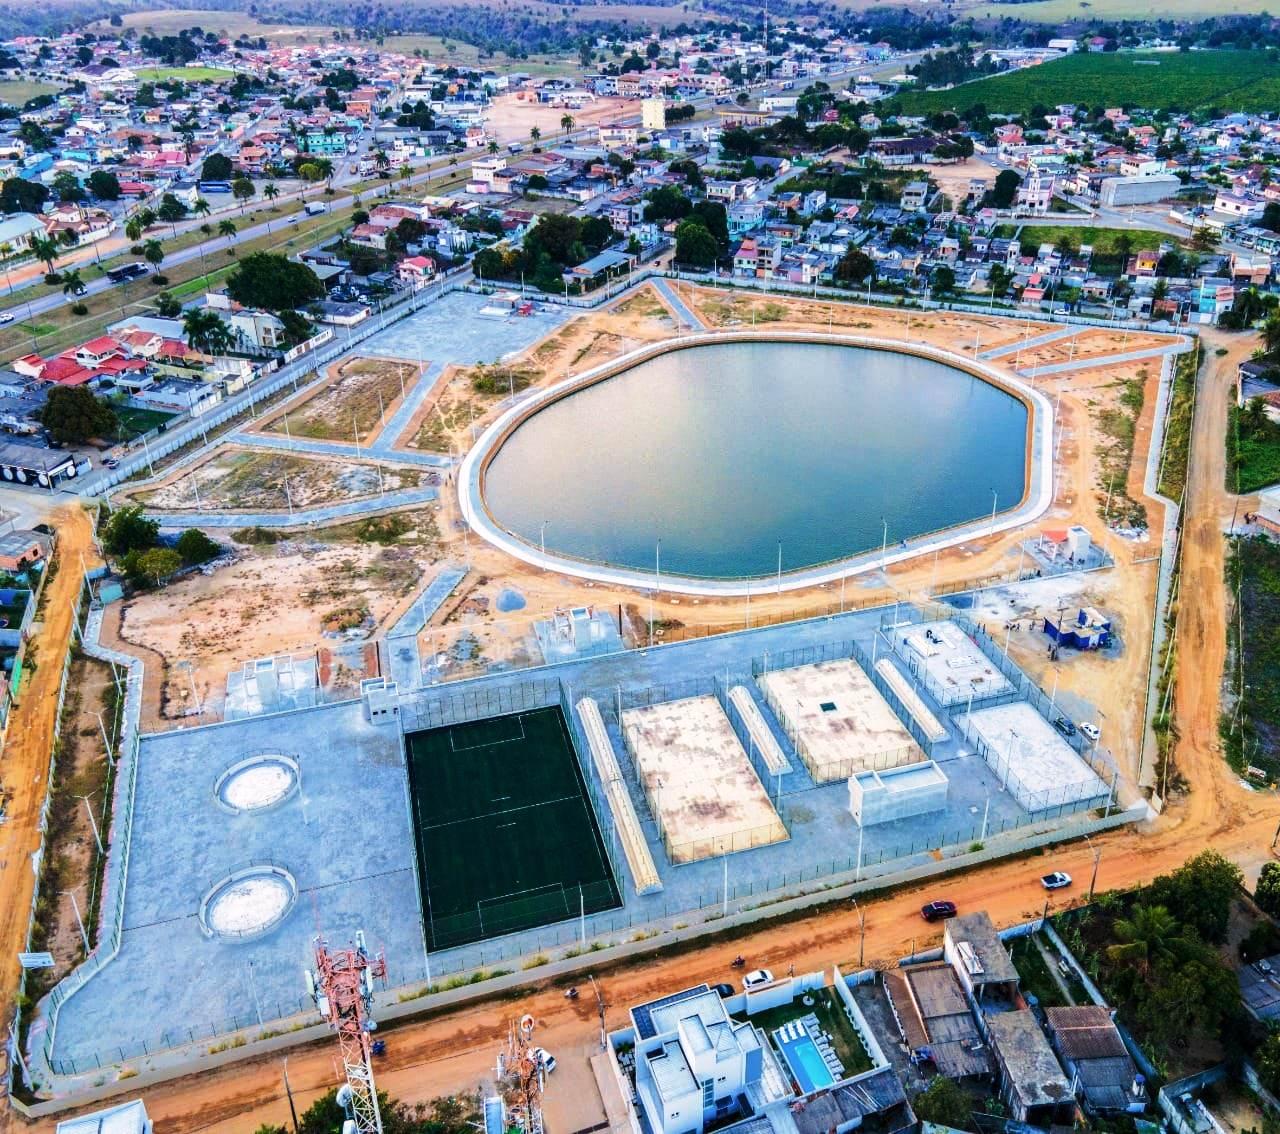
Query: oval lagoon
[722,450]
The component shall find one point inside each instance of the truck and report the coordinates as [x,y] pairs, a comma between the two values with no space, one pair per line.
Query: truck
[315,208]
[514,148]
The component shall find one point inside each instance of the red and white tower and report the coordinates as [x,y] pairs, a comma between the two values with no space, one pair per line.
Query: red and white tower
[342,987]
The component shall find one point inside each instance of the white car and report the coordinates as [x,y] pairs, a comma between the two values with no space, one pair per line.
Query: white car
[6,316]
[757,979]
[1058,880]
[1091,731]
[543,1056]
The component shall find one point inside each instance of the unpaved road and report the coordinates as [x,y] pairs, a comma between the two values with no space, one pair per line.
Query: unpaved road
[455,1051]
[25,766]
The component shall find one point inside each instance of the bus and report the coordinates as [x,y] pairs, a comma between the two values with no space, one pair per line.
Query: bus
[126,272]
[214,186]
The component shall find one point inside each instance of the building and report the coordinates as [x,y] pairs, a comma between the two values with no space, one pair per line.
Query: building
[692,1061]
[915,194]
[1267,518]
[653,113]
[20,549]
[1032,1084]
[1116,192]
[1087,629]
[935,1021]
[29,464]
[1093,1054]
[971,946]
[18,231]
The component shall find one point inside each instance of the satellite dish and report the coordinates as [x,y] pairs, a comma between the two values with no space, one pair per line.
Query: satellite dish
[343,1097]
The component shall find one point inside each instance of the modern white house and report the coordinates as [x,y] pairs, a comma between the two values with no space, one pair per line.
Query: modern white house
[693,1062]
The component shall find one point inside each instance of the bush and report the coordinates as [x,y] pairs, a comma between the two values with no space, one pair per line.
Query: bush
[79,309]
[52,278]
[159,280]
[196,547]
[128,529]
[1267,892]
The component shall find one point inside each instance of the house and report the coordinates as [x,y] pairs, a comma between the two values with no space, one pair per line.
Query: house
[972,947]
[692,1061]
[1237,207]
[126,1118]
[1032,1084]
[416,271]
[915,194]
[1093,1054]
[1267,518]
[18,231]
[935,1020]
[20,549]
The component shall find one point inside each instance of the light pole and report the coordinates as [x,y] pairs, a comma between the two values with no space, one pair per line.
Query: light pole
[779,566]
[994,499]
[1097,858]
[542,536]
[862,929]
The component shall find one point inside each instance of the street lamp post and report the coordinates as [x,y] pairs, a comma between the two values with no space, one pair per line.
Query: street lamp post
[862,930]
[1096,851]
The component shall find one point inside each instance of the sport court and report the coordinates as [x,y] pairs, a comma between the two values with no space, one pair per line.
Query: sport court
[505,834]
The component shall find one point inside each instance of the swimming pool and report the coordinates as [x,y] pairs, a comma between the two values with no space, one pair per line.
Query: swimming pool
[806,1062]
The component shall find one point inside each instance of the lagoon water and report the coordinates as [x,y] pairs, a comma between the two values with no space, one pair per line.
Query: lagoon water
[720,451]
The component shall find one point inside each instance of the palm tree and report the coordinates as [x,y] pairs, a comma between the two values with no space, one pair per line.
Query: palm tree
[535,133]
[493,147]
[71,281]
[270,191]
[206,331]
[45,249]
[1149,934]
[325,166]
[133,229]
[226,228]
[381,161]
[406,172]
[1271,333]
[153,253]
[201,207]
[566,122]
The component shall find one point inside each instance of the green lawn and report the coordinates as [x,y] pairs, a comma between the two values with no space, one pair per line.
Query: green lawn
[1230,80]
[185,74]
[1104,241]
[134,422]
[1253,452]
[18,91]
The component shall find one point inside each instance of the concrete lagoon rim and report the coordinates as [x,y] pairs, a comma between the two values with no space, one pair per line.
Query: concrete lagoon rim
[247,903]
[258,783]
[1036,499]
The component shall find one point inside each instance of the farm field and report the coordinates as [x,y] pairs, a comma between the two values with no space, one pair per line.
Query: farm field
[1231,80]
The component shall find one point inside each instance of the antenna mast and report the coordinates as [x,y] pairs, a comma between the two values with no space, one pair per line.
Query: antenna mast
[342,987]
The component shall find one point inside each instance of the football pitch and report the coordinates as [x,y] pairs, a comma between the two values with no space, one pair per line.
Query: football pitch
[505,833]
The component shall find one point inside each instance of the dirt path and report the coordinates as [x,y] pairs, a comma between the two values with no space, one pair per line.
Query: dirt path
[29,740]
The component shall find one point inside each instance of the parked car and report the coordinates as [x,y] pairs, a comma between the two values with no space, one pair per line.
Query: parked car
[757,979]
[1058,880]
[938,911]
[544,1057]
[1091,731]
[724,991]
[1064,726]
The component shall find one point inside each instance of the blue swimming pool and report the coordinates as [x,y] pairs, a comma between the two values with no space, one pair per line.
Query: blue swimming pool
[806,1063]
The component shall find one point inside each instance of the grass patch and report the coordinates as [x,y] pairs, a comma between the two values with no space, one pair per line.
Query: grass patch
[1108,242]
[16,92]
[1241,80]
[1118,425]
[184,74]
[1037,980]
[1177,434]
[1253,449]
[1250,729]
[133,421]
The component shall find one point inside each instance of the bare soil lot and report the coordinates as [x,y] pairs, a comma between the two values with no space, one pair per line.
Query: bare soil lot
[361,394]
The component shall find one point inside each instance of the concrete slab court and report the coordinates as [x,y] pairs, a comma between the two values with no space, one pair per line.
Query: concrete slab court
[1038,496]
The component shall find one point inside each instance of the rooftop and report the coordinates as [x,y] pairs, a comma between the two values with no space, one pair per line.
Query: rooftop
[1030,1066]
[978,931]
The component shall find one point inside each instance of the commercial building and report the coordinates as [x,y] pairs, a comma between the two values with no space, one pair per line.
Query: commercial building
[1116,192]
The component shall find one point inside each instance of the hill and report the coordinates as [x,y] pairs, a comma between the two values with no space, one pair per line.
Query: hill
[1228,80]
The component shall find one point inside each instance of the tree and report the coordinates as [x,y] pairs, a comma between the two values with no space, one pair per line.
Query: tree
[196,547]
[1271,216]
[943,1102]
[67,185]
[1199,894]
[18,195]
[201,208]
[566,122]
[226,227]
[944,280]
[153,253]
[133,229]
[273,283]
[171,211]
[695,246]
[129,529]
[45,249]
[1271,333]
[855,266]
[206,331]
[104,185]
[270,191]
[1149,934]
[242,190]
[72,414]
[216,167]
[159,564]
[1267,895]
[1005,189]
[1266,1060]
[72,283]
[534,133]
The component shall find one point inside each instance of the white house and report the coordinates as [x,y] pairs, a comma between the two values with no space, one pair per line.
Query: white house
[18,231]
[693,1060]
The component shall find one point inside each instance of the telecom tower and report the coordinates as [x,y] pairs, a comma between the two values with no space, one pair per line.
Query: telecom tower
[520,1078]
[342,987]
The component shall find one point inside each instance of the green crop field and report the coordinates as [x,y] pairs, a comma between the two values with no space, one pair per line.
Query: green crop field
[1228,80]
[185,74]
[506,837]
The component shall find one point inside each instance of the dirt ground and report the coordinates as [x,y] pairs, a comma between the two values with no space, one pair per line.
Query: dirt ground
[954,180]
[289,597]
[360,397]
[235,478]
[29,739]
[511,118]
